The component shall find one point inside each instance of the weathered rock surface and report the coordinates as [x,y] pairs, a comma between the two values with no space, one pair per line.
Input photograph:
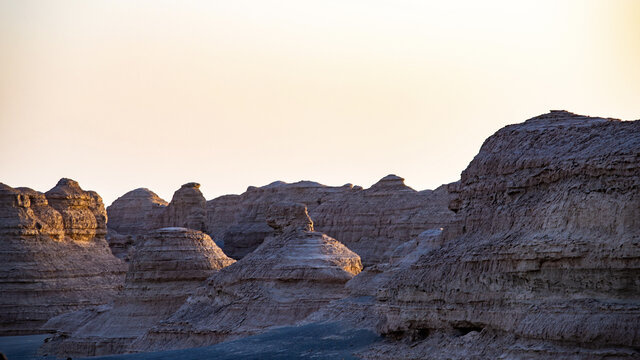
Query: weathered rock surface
[290,275]
[53,255]
[544,258]
[130,216]
[141,210]
[239,221]
[371,222]
[166,267]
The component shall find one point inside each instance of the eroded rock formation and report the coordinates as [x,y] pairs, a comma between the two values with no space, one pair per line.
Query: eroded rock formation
[130,216]
[166,267]
[544,259]
[292,274]
[371,222]
[53,255]
[141,210]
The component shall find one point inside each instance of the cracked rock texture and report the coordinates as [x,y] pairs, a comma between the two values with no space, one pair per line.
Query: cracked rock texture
[166,267]
[290,275]
[53,255]
[543,259]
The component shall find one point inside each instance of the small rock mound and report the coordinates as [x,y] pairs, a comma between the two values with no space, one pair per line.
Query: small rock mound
[166,267]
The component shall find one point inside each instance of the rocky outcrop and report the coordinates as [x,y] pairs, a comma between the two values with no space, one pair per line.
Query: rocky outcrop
[141,210]
[544,258]
[290,275]
[53,255]
[371,222]
[166,267]
[375,221]
[131,215]
[239,221]
[186,209]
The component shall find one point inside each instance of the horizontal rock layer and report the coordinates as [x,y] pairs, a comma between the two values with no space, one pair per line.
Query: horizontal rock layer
[166,267]
[292,274]
[546,246]
[53,255]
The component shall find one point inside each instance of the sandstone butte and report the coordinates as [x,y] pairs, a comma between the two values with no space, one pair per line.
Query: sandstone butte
[167,266]
[293,273]
[372,222]
[53,255]
[543,259]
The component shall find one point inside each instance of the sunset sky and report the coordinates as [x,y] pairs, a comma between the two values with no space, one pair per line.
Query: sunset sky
[125,94]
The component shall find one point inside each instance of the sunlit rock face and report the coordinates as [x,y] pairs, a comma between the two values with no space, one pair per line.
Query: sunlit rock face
[166,267]
[371,222]
[291,274]
[544,258]
[53,255]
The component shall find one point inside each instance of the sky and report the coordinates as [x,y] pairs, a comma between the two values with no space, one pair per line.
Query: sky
[126,94]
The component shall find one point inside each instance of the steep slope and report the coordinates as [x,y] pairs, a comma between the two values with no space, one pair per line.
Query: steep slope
[166,267]
[292,274]
[544,259]
[53,255]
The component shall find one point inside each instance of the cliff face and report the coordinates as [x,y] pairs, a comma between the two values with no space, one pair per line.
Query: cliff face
[375,221]
[239,221]
[53,255]
[371,222]
[292,274]
[546,247]
[166,267]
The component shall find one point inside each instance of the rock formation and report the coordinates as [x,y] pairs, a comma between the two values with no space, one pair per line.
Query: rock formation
[166,267]
[371,222]
[131,215]
[239,221]
[544,258]
[375,221]
[53,255]
[141,210]
[290,275]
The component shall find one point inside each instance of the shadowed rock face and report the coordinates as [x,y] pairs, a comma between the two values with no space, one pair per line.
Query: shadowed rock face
[53,255]
[131,215]
[371,222]
[546,247]
[141,210]
[289,276]
[166,267]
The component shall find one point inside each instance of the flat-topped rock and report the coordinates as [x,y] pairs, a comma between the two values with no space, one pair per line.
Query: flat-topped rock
[166,267]
[53,255]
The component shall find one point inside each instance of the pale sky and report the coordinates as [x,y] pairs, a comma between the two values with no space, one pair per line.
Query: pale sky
[125,94]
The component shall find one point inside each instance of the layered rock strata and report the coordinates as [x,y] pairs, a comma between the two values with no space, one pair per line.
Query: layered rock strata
[53,255]
[371,222]
[141,210]
[166,267]
[544,259]
[292,274]
[130,216]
